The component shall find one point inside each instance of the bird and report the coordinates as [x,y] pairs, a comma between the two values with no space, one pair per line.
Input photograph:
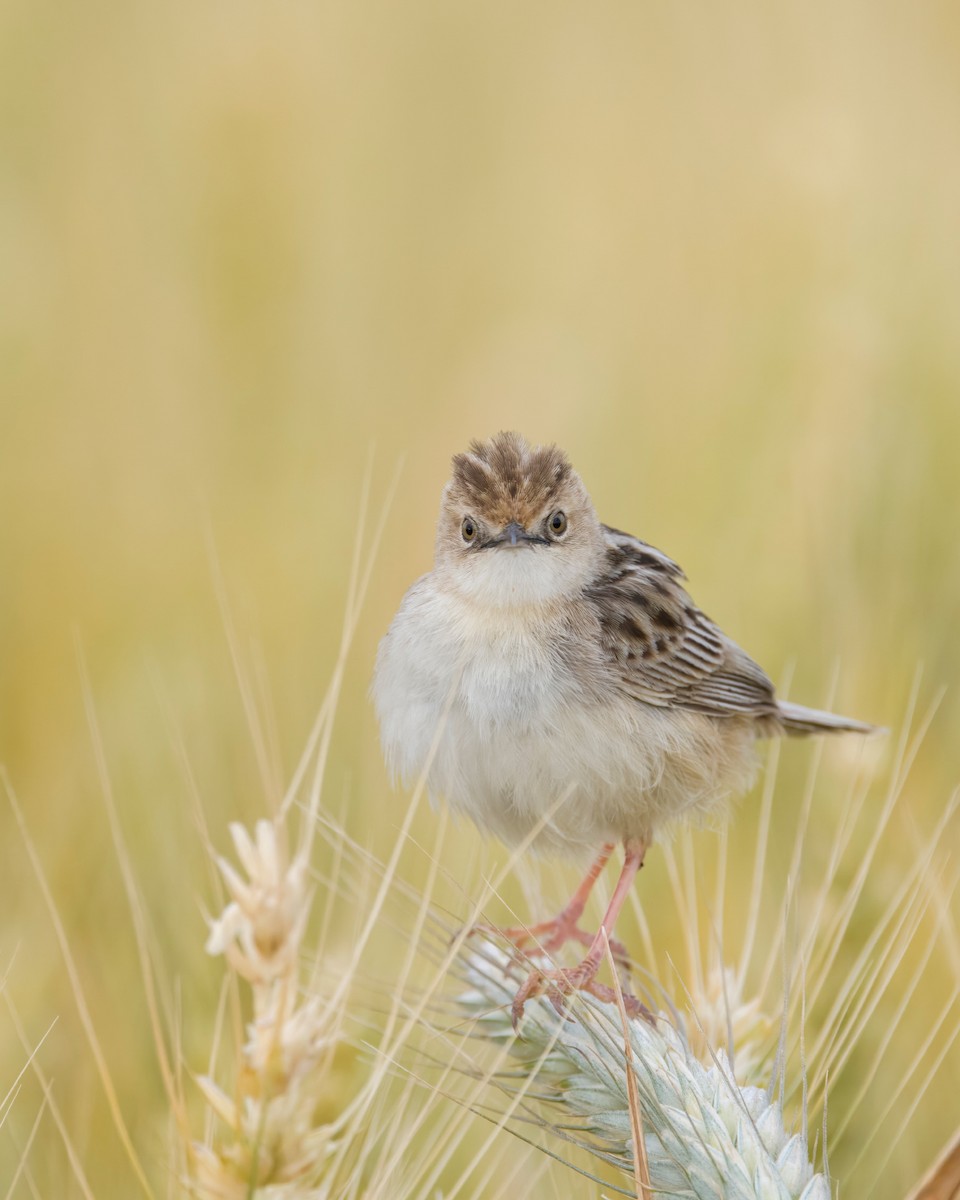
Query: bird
[552,680]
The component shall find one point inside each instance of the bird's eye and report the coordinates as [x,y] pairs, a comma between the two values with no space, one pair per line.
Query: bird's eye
[557,523]
[468,530]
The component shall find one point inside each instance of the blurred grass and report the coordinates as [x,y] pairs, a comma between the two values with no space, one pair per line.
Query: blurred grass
[712,253]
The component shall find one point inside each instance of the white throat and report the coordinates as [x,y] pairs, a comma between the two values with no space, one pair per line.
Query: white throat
[508,578]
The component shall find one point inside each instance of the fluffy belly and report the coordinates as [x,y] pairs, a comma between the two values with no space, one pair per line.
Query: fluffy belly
[588,776]
[508,737]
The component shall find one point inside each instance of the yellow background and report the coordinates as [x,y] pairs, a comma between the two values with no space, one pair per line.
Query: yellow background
[711,250]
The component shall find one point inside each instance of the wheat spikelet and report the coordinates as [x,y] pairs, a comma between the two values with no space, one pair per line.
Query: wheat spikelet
[270,1138]
[705,1134]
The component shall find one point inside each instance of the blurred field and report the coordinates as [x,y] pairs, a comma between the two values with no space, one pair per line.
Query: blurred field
[711,252]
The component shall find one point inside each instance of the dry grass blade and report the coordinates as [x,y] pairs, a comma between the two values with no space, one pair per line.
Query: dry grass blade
[138,916]
[641,1168]
[83,1010]
[76,1164]
[943,1180]
[25,1152]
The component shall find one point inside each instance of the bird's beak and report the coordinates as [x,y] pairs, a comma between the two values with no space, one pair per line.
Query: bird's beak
[514,536]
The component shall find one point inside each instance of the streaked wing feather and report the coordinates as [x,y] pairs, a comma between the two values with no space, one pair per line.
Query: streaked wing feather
[642,553]
[667,653]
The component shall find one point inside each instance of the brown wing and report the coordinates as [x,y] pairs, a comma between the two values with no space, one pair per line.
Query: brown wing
[665,651]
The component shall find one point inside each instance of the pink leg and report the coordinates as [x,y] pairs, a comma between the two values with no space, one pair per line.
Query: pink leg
[551,935]
[583,977]
[570,915]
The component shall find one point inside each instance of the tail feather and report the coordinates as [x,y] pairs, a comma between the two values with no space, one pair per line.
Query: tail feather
[795,719]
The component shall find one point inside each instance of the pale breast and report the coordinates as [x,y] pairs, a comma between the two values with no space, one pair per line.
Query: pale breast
[442,662]
[504,718]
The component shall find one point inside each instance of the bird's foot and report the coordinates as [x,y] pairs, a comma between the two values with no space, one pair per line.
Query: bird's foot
[549,936]
[562,982]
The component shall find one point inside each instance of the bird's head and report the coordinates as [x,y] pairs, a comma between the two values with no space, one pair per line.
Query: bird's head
[517,526]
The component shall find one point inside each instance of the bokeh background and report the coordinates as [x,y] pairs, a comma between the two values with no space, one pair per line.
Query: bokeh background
[711,251]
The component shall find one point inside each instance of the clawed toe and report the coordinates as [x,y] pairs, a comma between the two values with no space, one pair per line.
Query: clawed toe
[558,984]
[548,936]
[522,938]
[562,982]
[633,1006]
[536,982]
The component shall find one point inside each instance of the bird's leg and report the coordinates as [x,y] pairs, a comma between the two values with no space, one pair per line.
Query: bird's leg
[562,982]
[551,935]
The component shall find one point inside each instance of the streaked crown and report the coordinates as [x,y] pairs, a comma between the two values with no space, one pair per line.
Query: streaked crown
[505,479]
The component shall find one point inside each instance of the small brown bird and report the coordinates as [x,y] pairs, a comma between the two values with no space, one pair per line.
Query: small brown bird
[556,682]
